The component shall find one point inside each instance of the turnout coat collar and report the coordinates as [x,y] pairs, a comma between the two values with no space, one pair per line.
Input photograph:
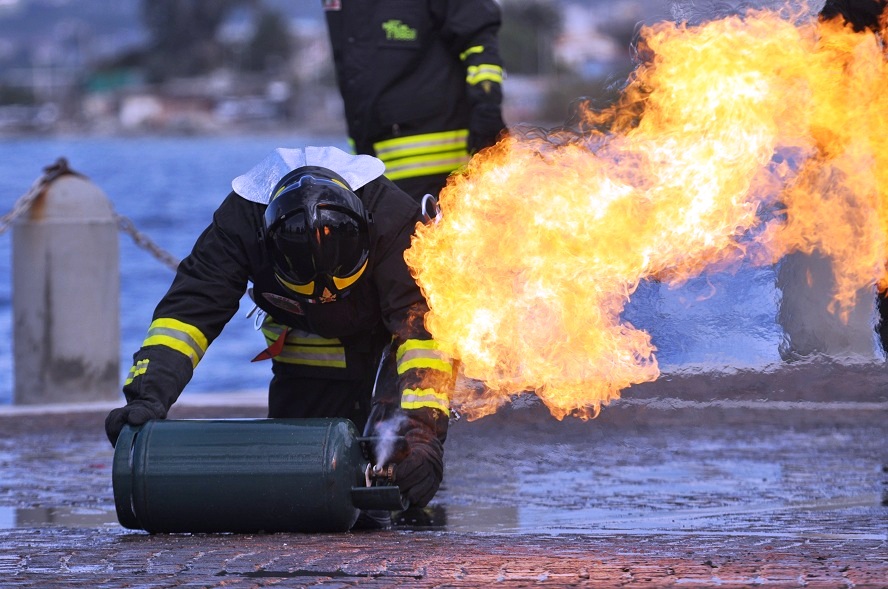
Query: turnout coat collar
[256,184]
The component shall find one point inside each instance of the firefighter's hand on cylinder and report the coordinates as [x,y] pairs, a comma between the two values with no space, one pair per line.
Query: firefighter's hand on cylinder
[485,125]
[136,412]
[419,474]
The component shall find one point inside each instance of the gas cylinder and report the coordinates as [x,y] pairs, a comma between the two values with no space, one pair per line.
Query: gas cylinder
[245,476]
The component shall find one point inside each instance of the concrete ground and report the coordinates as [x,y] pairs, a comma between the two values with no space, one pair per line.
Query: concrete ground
[691,481]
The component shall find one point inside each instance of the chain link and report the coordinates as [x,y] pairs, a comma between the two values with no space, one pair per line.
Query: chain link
[23,204]
[124,224]
[20,207]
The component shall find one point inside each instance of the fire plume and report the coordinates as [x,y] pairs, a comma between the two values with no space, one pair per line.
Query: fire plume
[737,140]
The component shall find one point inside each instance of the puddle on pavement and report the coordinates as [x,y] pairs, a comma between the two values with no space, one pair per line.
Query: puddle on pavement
[511,520]
[738,520]
[67,517]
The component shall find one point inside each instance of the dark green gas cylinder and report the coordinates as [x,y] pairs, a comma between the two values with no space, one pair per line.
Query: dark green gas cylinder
[244,475]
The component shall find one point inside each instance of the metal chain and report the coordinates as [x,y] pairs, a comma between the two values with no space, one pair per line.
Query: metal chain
[124,224]
[23,204]
[20,207]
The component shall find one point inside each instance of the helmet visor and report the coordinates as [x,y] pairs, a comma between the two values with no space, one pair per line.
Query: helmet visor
[342,242]
[335,245]
[292,249]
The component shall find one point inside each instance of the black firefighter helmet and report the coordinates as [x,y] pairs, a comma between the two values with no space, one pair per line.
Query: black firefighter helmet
[317,233]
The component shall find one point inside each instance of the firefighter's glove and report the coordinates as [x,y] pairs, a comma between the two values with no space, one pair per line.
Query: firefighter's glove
[136,412]
[485,125]
[419,474]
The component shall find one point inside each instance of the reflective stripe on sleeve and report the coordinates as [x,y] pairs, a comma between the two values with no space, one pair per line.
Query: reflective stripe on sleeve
[420,398]
[179,336]
[471,51]
[416,353]
[137,369]
[484,72]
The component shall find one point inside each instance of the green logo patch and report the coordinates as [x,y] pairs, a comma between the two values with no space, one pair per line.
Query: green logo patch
[395,30]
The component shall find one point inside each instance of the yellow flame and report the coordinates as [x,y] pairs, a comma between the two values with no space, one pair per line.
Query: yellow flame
[542,240]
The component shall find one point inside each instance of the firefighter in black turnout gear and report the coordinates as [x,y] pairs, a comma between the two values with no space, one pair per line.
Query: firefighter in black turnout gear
[421,82]
[321,235]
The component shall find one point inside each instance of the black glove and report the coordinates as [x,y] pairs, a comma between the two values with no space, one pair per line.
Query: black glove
[135,412]
[485,125]
[419,474]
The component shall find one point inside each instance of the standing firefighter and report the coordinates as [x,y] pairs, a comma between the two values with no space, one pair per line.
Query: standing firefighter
[321,234]
[421,82]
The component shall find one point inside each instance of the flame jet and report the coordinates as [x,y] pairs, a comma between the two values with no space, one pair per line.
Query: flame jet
[738,140]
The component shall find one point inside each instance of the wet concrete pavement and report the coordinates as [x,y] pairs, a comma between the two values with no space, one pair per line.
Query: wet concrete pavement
[692,481]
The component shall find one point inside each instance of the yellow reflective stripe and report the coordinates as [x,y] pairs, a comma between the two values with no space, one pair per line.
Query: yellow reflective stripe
[175,344]
[425,165]
[484,72]
[137,369]
[272,331]
[416,353]
[471,51]
[303,289]
[423,155]
[415,344]
[430,363]
[341,283]
[174,325]
[313,356]
[419,398]
[305,348]
[179,336]
[424,143]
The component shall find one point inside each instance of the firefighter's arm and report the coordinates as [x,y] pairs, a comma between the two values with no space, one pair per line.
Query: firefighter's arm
[420,395]
[204,295]
[426,378]
[473,28]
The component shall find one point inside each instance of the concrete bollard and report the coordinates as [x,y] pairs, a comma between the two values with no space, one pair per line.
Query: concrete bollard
[65,296]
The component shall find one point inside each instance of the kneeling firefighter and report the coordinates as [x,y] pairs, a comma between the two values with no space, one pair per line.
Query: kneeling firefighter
[321,235]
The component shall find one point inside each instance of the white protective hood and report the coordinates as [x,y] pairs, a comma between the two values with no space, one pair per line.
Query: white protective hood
[257,184]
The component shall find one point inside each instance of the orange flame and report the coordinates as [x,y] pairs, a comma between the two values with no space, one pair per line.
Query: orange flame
[542,240]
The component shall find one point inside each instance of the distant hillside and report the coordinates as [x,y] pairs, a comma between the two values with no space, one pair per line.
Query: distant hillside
[30,19]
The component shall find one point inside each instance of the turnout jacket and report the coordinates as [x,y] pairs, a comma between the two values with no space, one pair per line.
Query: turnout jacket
[410,73]
[342,339]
